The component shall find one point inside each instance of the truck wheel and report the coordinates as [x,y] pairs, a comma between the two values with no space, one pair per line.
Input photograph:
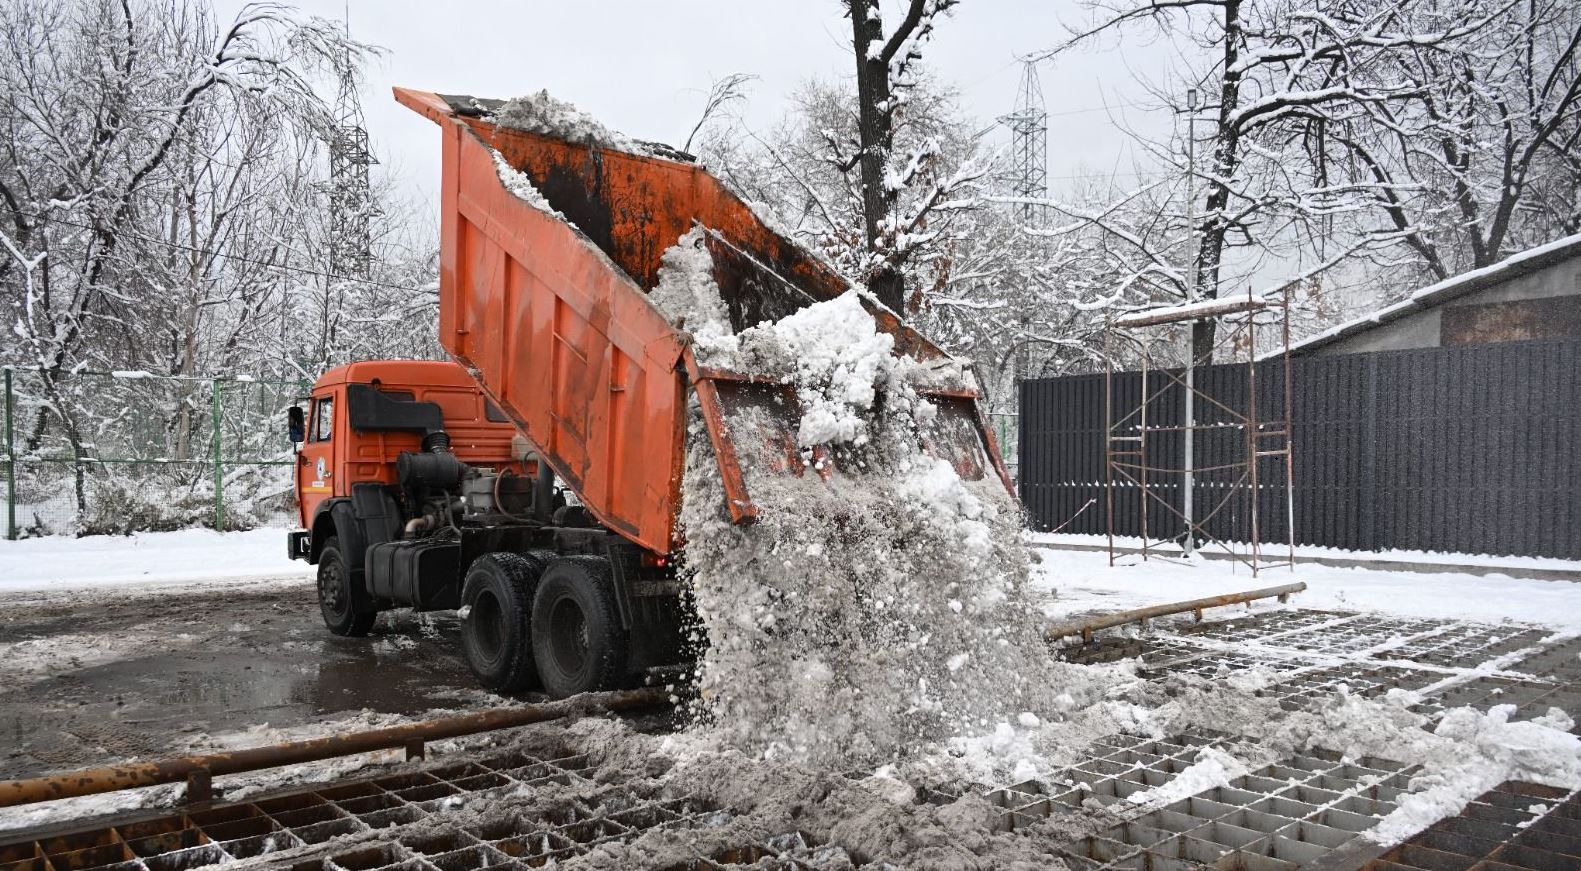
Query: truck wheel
[498,596]
[576,633]
[334,594]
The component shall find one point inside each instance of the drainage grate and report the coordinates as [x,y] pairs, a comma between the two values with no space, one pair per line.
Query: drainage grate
[1513,826]
[244,830]
[1118,767]
[1274,819]
[1299,690]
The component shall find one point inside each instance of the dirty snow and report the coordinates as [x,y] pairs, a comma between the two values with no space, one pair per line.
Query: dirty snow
[863,618]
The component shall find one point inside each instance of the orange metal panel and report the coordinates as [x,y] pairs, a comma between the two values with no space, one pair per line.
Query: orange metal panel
[568,348]
[552,317]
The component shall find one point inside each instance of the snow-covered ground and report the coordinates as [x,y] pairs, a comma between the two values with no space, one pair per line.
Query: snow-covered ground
[155,558]
[1306,552]
[1083,580]
[1079,580]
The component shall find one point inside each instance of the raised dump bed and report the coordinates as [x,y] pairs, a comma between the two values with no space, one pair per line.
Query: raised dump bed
[543,296]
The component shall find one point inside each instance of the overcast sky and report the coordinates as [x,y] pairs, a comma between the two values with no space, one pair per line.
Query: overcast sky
[643,67]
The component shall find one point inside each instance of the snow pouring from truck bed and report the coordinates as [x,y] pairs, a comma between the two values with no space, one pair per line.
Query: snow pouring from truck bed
[866,617]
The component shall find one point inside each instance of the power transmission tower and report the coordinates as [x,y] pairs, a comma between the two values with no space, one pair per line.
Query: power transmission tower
[1029,131]
[1028,177]
[350,196]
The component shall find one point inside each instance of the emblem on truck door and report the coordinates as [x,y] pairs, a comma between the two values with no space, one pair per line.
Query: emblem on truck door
[320,472]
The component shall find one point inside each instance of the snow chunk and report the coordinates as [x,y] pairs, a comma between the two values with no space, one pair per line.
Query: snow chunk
[520,184]
[1213,767]
[689,299]
[1484,750]
[838,355]
[542,114]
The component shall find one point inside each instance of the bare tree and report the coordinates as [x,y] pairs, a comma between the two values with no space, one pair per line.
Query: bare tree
[1287,83]
[160,208]
[886,67]
[1475,155]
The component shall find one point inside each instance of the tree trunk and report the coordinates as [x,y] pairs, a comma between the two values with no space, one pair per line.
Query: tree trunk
[875,131]
[1226,157]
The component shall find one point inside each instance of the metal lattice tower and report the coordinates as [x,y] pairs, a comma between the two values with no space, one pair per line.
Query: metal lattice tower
[1029,128]
[350,195]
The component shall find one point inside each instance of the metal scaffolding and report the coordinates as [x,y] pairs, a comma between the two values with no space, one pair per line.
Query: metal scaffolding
[1133,459]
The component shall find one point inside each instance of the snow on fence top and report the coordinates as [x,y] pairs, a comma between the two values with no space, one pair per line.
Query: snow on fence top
[1191,311]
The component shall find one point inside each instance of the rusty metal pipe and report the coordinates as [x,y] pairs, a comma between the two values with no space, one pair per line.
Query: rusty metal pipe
[131,775]
[1085,628]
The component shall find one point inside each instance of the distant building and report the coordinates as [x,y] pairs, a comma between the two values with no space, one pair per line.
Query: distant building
[1535,294]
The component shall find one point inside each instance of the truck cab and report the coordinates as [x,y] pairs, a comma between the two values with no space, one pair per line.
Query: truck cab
[336,450]
[414,490]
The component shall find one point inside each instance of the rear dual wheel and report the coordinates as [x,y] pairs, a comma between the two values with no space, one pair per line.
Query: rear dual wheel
[538,621]
[494,639]
[576,633]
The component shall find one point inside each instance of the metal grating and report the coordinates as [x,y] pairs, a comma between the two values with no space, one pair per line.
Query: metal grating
[403,823]
[1117,767]
[244,830]
[1512,826]
[1274,819]
[538,810]
[1313,655]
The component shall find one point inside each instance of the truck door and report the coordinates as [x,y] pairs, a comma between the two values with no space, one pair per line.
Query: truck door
[315,464]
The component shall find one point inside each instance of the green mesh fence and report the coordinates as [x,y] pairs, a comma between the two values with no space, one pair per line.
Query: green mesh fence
[115,452]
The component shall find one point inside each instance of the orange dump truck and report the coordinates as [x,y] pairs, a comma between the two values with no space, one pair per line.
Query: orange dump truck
[535,482]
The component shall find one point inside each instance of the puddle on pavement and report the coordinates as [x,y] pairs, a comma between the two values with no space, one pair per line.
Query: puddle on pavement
[156,701]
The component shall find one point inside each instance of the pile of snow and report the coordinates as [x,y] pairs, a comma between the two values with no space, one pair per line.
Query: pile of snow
[869,616]
[184,556]
[540,113]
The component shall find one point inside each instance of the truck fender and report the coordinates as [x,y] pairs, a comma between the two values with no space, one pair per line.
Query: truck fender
[322,528]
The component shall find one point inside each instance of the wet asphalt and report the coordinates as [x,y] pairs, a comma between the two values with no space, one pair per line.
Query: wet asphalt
[97,677]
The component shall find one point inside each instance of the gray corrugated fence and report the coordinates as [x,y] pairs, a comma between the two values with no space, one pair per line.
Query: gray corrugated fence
[1471,449]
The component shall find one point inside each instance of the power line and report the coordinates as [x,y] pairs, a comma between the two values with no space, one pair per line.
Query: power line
[301,270]
[1123,104]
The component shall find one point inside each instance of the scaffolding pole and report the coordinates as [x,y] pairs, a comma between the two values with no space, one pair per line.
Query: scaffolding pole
[1129,461]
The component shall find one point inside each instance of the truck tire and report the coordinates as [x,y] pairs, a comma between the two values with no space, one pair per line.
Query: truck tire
[576,633]
[495,639]
[335,601]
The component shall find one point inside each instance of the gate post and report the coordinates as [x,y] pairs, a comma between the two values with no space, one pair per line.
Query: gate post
[219,471]
[10,461]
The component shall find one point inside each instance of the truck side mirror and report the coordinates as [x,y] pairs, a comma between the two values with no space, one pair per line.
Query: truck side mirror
[296,424]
